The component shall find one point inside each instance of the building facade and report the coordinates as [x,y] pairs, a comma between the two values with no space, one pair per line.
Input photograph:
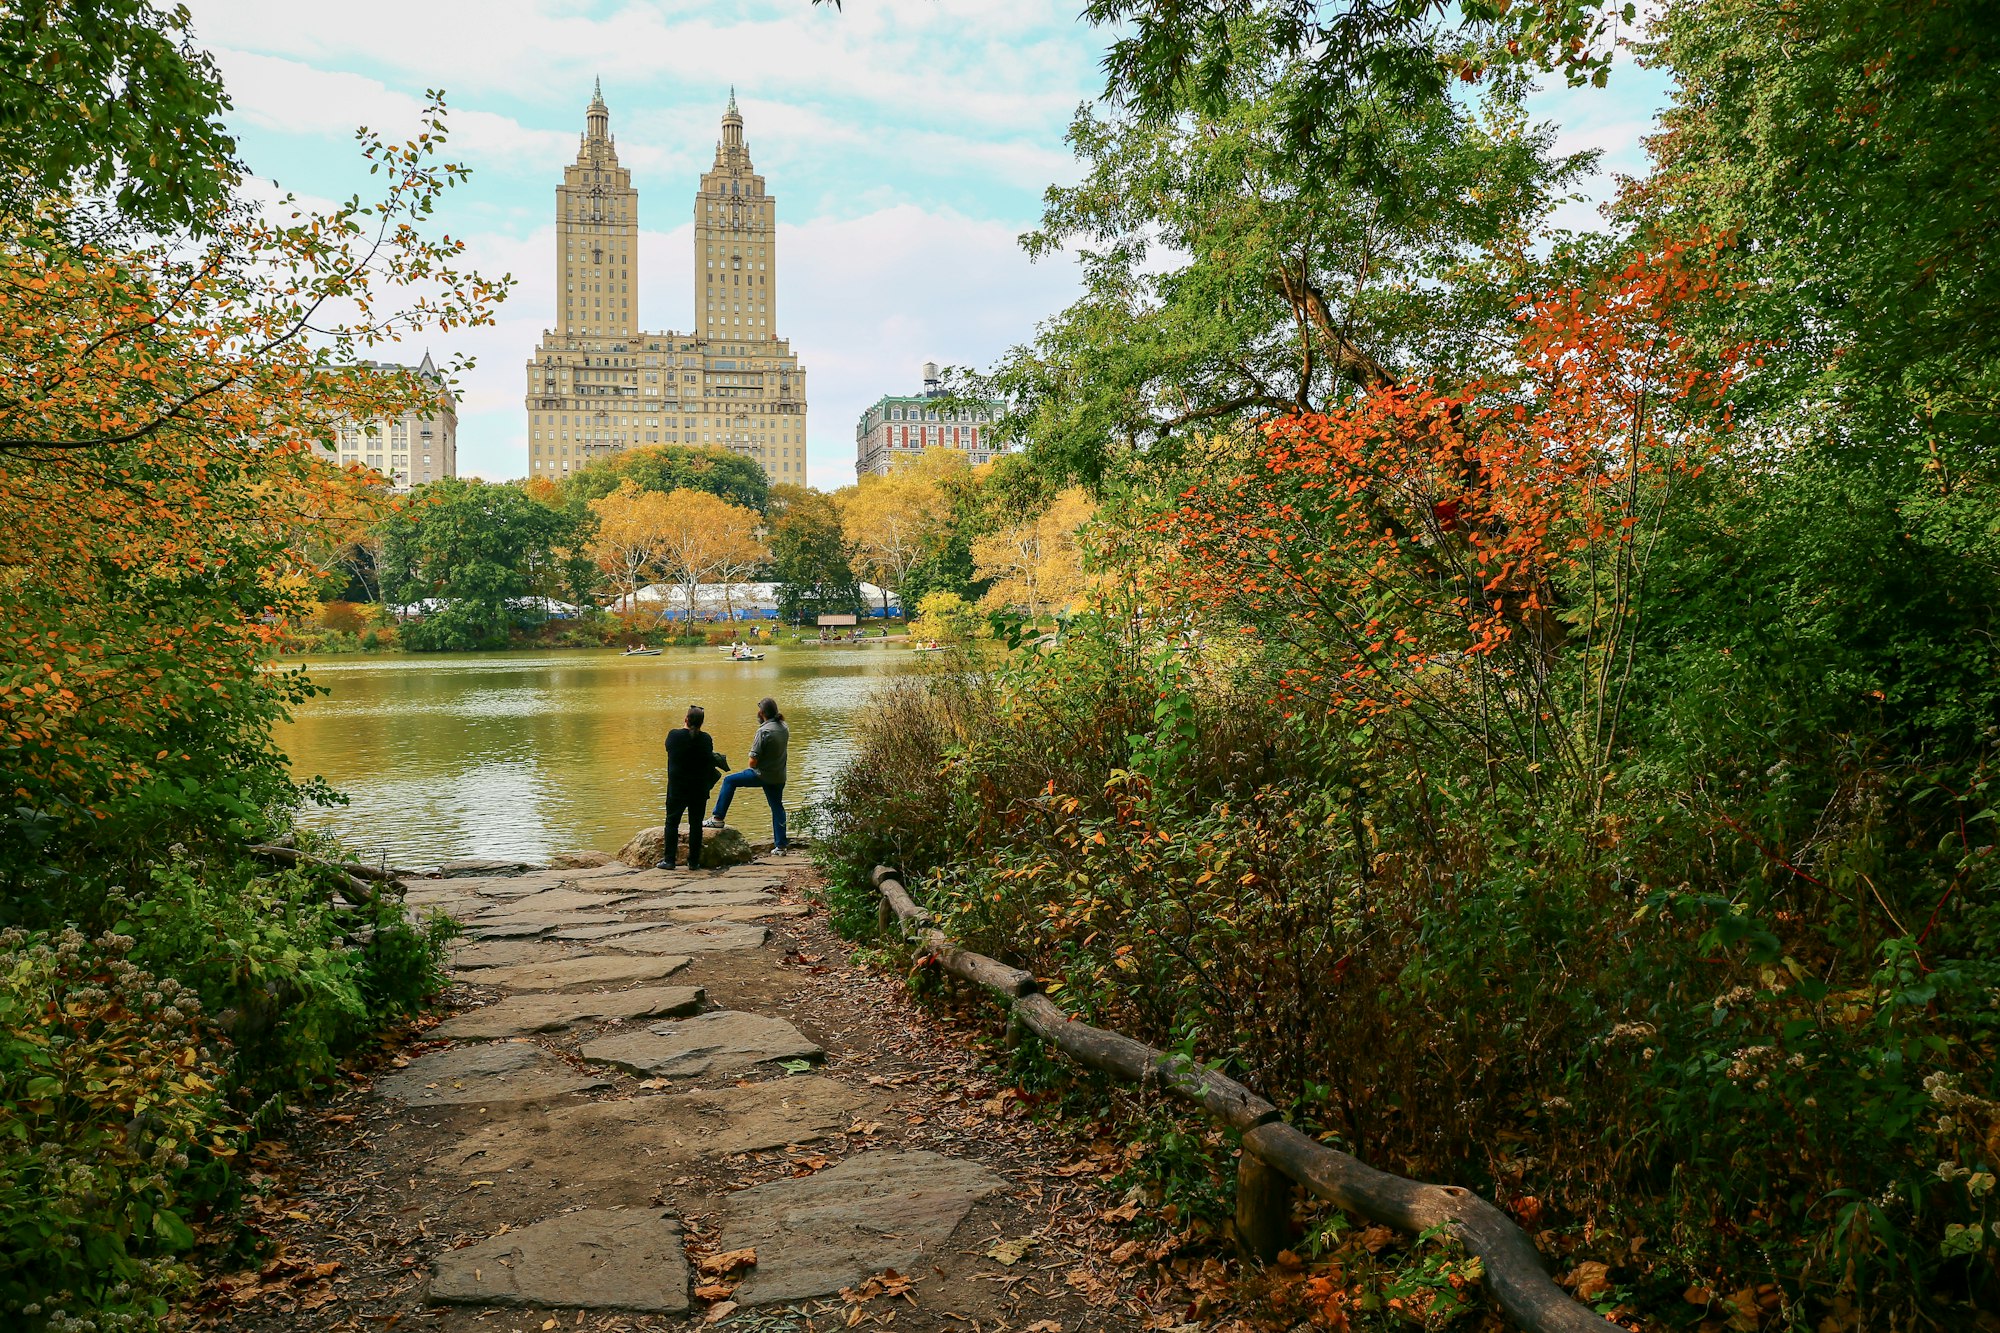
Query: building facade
[411,449]
[898,429]
[598,383]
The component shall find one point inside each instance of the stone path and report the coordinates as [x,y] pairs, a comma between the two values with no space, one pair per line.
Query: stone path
[654,1106]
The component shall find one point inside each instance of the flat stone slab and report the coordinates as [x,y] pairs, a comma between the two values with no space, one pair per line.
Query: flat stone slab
[460,910]
[640,881]
[530,925]
[736,913]
[509,953]
[595,1259]
[654,902]
[522,928]
[724,1042]
[504,886]
[553,902]
[524,1015]
[749,877]
[709,937]
[879,1210]
[598,1141]
[505,1074]
[610,930]
[609,870]
[587,970]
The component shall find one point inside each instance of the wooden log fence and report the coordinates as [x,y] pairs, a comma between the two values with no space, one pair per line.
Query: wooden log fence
[1275,1155]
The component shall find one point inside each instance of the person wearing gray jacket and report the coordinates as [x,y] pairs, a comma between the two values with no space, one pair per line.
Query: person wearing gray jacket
[768,752]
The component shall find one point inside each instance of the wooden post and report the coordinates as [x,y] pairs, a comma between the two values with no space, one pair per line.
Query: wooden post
[885,916]
[1263,1207]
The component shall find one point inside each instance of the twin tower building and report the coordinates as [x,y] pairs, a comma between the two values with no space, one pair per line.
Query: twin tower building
[598,384]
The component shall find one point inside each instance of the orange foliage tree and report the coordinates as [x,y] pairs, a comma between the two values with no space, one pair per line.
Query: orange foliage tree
[1473,557]
[163,410]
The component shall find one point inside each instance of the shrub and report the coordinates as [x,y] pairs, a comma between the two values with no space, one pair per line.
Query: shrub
[115,1133]
[1611,1022]
[132,1068]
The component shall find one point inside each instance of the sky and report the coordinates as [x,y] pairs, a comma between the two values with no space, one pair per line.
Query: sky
[907,142]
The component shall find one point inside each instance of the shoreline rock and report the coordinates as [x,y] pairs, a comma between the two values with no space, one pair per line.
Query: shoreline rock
[719,848]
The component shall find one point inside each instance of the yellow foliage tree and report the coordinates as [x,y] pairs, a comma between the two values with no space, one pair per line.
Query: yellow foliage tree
[633,528]
[705,539]
[894,521]
[1038,562]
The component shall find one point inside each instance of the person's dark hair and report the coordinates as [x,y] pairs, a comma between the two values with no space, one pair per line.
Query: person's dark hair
[695,716]
[767,709]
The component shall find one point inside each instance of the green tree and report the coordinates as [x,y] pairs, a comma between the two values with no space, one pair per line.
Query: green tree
[673,467]
[1289,286]
[476,547]
[810,556]
[112,98]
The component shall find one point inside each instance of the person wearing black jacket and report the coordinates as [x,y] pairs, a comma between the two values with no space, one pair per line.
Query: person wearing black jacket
[692,767]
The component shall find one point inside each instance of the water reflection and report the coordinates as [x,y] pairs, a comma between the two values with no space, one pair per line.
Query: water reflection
[526,754]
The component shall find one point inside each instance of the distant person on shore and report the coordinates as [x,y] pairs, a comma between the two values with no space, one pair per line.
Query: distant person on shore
[692,767]
[767,770]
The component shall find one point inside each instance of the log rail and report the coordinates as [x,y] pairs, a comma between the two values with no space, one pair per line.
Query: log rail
[1273,1152]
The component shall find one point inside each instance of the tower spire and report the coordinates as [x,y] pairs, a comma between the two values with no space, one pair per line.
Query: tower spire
[597,120]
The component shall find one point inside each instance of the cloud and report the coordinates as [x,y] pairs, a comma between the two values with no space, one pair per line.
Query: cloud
[292,97]
[950,61]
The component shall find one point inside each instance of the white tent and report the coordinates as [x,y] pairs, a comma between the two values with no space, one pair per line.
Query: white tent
[715,600]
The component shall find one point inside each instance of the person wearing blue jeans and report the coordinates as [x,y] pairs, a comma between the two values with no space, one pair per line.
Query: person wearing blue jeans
[768,751]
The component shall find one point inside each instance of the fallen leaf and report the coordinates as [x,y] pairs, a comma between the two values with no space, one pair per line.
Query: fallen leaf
[722,1263]
[1010,1252]
[548,1324]
[1124,1212]
[1124,1253]
[714,1291]
[1044,1326]
[1374,1238]
[722,1311]
[1589,1280]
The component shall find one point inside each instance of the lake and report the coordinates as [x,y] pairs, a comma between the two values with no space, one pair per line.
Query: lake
[524,754]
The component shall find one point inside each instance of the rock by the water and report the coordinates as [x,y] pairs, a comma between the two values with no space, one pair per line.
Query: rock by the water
[579,860]
[597,1141]
[876,1211]
[719,847]
[522,1015]
[504,1074]
[724,1042]
[587,970]
[595,1259]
